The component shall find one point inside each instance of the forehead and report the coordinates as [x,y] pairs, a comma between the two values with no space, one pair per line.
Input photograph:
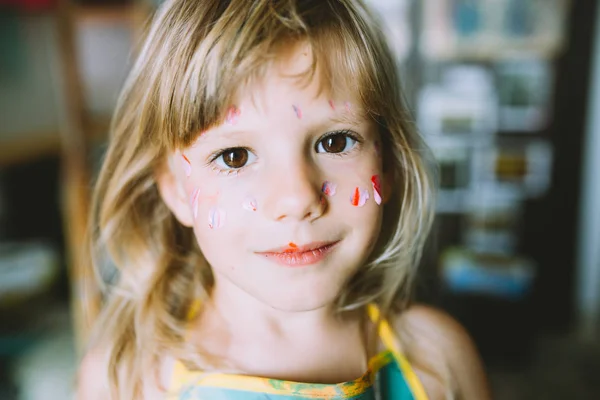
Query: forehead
[295,78]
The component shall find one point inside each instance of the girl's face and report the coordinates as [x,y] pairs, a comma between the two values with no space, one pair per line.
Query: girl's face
[284,196]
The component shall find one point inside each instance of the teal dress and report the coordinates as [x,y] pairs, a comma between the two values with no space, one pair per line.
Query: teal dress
[388,376]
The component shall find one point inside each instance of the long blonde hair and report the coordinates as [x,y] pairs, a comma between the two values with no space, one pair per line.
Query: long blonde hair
[196,55]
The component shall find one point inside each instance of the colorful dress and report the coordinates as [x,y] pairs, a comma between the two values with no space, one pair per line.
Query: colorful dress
[389,377]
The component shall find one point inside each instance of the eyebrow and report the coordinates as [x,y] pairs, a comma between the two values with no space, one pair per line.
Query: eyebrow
[356,117]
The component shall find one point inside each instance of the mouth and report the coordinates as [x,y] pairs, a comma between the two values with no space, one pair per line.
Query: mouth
[297,256]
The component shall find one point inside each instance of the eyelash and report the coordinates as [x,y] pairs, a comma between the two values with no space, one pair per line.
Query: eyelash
[235,172]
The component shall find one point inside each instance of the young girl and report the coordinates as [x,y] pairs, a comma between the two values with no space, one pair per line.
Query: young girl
[265,199]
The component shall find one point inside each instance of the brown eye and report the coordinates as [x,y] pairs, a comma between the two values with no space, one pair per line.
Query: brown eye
[336,143]
[235,158]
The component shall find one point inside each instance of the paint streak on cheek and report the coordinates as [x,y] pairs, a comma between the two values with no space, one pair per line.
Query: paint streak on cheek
[194,200]
[376,182]
[332,105]
[329,188]
[216,218]
[298,111]
[359,197]
[186,164]
[377,149]
[250,204]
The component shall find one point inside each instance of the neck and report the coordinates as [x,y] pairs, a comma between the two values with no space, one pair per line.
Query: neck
[245,314]
[260,339]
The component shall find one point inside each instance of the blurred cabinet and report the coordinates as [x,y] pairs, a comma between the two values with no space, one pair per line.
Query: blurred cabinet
[66,66]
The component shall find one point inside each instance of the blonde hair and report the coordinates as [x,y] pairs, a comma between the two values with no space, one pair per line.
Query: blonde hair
[196,54]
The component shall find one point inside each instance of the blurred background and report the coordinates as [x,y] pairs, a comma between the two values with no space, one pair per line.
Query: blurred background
[507,94]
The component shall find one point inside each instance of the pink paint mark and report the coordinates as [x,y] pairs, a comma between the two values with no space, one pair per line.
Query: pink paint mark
[216,218]
[250,204]
[298,111]
[378,149]
[332,105]
[376,188]
[187,165]
[329,188]
[359,197]
[348,106]
[233,115]
[194,201]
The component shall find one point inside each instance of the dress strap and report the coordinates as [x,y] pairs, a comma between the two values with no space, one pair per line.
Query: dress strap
[391,342]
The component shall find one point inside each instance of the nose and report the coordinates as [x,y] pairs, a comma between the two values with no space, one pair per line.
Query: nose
[294,192]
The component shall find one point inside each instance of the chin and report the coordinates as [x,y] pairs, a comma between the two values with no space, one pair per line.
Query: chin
[298,300]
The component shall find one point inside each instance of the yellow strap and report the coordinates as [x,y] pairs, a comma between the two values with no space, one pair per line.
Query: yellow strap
[389,339]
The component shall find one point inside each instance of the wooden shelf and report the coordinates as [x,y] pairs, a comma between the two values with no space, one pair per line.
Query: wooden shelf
[104,14]
[29,146]
[32,145]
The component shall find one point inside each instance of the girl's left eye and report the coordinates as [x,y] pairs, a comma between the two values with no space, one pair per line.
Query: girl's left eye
[338,142]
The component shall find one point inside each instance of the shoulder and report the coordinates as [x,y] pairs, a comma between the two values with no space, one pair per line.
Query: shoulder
[444,349]
[93,377]
[92,369]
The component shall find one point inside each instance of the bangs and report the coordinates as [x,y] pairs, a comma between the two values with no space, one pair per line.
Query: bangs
[221,51]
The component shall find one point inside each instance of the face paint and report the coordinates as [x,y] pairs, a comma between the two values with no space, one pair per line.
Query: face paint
[233,115]
[376,188]
[329,188]
[348,106]
[216,218]
[359,197]
[187,165]
[332,105]
[298,111]
[293,248]
[250,204]
[194,201]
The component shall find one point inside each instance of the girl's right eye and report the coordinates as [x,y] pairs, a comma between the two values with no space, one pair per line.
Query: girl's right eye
[234,158]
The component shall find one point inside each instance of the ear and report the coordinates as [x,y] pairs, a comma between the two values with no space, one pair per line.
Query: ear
[172,191]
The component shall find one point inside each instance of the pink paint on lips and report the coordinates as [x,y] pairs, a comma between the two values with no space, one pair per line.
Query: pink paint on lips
[299,256]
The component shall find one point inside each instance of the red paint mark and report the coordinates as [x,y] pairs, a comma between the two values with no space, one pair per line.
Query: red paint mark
[376,188]
[329,188]
[332,105]
[293,248]
[187,165]
[355,197]
[376,182]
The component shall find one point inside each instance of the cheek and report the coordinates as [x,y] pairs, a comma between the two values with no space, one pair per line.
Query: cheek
[218,207]
[354,185]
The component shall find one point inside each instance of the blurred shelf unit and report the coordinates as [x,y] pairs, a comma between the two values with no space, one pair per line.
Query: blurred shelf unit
[67,67]
[493,30]
[34,105]
[102,14]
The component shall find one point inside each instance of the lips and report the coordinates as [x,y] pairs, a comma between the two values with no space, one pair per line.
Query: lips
[294,256]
